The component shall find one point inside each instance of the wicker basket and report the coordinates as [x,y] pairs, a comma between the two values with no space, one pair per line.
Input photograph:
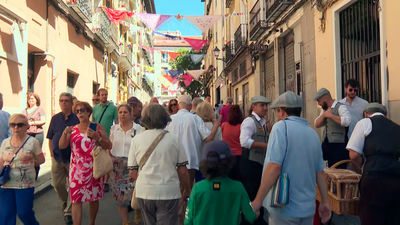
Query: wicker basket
[343,192]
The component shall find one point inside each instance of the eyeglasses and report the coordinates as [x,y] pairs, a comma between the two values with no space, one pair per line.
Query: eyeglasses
[81,110]
[353,89]
[173,104]
[17,124]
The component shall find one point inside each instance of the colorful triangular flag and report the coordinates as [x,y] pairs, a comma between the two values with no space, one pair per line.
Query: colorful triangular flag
[152,21]
[196,44]
[203,22]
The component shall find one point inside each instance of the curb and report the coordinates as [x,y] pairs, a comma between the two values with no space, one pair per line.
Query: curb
[43,183]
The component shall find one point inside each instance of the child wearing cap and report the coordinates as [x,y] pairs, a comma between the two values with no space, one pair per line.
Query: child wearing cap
[218,200]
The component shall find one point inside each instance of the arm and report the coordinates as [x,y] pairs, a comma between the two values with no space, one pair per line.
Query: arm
[189,210]
[269,178]
[213,130]
[355,158]
[101,140]
[51,148]
[132,164]
[320,120]
[183,175]
[39,159]
[65,138]
[38,154]
[324,208]
[246,207]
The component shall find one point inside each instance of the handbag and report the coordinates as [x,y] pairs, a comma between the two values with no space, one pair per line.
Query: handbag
[5,172]
[280,191]
[143,161]
[102,162]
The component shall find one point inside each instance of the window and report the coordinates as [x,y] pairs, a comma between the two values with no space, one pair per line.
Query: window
[287,81]
[242,69]
[237,96]
[235,76]
[31,73]
[95,87]
[71,82]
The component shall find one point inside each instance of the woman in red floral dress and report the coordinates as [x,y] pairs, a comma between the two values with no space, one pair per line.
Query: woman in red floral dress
[83,186]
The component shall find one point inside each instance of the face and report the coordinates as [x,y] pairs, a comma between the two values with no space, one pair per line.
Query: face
[82,113]
[95,100]
[174,106]
[103,96]
[65,103]
[32,101]
[136,110]
[323,102]
[208,99]
[280,114]
[351,92]
[260,108]
[18,126]
[123,114]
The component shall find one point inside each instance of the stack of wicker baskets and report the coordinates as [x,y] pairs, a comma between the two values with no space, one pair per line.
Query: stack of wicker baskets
[343,192]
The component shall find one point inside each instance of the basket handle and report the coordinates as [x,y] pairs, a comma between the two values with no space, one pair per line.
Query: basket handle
[340,163]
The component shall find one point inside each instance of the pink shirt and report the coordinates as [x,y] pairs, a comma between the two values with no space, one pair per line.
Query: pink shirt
[224,113]
[231,135]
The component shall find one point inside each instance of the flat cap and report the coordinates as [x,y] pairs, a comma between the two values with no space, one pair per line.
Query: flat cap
[261,99]
[321,93]
[220,147]
[185,99]
[375,107]
[288,100]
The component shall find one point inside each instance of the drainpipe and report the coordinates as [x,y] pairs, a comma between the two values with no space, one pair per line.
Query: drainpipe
[384,75]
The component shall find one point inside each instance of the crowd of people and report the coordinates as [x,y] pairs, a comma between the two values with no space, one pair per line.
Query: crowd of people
[188,162]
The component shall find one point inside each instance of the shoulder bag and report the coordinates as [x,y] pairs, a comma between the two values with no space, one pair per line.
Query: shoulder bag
[102,114]
[143,161]
[102,162]
[5,172]
[280,191]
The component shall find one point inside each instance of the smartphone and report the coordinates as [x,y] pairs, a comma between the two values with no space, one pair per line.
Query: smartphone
[93,126]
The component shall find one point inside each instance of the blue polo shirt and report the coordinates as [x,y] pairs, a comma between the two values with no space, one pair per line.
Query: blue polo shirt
[302,163]
[57,125]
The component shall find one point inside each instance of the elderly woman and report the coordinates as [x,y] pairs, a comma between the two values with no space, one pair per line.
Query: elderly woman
[172,107]
[121,137]
[158,180]
[83,186]
[16,195]
[206,112]
[36,117]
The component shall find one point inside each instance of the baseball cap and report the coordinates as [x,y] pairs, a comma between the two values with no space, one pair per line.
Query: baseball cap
[261,99]
[375,107]
[185,99]
[321,93]
[288,100]
[220,147]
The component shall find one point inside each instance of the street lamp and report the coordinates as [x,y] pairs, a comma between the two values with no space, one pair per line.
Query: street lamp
[216,53]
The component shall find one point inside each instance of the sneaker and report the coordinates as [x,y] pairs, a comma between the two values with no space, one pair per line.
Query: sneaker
[68,220]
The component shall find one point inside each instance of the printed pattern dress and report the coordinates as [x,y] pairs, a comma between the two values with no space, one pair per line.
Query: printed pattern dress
[83,186]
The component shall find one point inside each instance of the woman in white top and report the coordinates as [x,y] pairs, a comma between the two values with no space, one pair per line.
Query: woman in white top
[158,183]
[121,137]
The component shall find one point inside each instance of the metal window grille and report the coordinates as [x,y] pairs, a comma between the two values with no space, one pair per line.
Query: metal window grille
[360,47]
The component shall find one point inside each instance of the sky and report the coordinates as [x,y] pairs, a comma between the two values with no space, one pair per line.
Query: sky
[183,7]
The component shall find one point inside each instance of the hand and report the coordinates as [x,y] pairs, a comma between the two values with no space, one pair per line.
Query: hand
[328,113]
[217,122]
[324,211]
[93,134]
[256,206]
[68,130]
[132,175]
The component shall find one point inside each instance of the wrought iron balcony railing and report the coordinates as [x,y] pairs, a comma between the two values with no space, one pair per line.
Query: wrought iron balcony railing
[257,24]
[107,30]
[228,53]
[83,8]
[240,38]
[275,8]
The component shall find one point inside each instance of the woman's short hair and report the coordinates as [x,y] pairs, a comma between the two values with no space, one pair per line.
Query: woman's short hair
[128,107]
[36,96]
[15,116]
[211,170]
[84,105]
[169,107]
[205,111]
[235,115]
[154,116]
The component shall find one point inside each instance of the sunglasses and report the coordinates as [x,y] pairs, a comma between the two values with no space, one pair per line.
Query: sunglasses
[353,89]
[173,104]
[81,110]
[17,124]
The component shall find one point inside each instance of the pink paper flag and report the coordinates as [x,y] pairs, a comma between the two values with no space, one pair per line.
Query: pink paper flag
[195,73]
[187,79]
[152,21]
[203,22]
[196,43]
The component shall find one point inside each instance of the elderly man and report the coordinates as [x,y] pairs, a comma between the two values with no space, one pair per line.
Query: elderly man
[293,148]
[136,106]
[354,104]
[195,102]
[377,139]
[4,117]
[191,132]
[61,157]
[95,100]
[334,118]
[253,139]
[105,112]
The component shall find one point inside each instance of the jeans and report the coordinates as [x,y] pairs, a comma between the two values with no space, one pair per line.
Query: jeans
[17,202]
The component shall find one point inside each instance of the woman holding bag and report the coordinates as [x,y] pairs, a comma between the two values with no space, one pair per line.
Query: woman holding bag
[83,139]
[22,153]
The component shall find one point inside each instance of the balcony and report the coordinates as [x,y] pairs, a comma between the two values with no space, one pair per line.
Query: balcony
[240,42]
[83,8]
[106,30]
[126,52]
[228,53]
[257,24]
[275,8]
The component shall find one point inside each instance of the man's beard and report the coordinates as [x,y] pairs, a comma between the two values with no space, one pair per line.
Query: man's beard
[325,106]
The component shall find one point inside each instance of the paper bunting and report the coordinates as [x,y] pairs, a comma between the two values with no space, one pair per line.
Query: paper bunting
[173,55]
[196,58]
[203,22]
[196,44]
[174,73]
[164,81]
[117,16]
[187,79]
[195,73]
[153,21]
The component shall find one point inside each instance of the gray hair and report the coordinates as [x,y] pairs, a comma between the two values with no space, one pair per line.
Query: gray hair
[66,94]
[196,101]
[154,116]
[229,100]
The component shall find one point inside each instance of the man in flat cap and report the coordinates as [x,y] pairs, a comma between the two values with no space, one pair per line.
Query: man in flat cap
[334,119]
[254,139]
[378,139]
[293,148]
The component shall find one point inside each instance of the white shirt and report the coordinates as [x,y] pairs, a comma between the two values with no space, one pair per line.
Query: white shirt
[158,179]
[190,131]
[356,109]
[248,128]
[362,129]
[121,141]
[344,114]
[218,137]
